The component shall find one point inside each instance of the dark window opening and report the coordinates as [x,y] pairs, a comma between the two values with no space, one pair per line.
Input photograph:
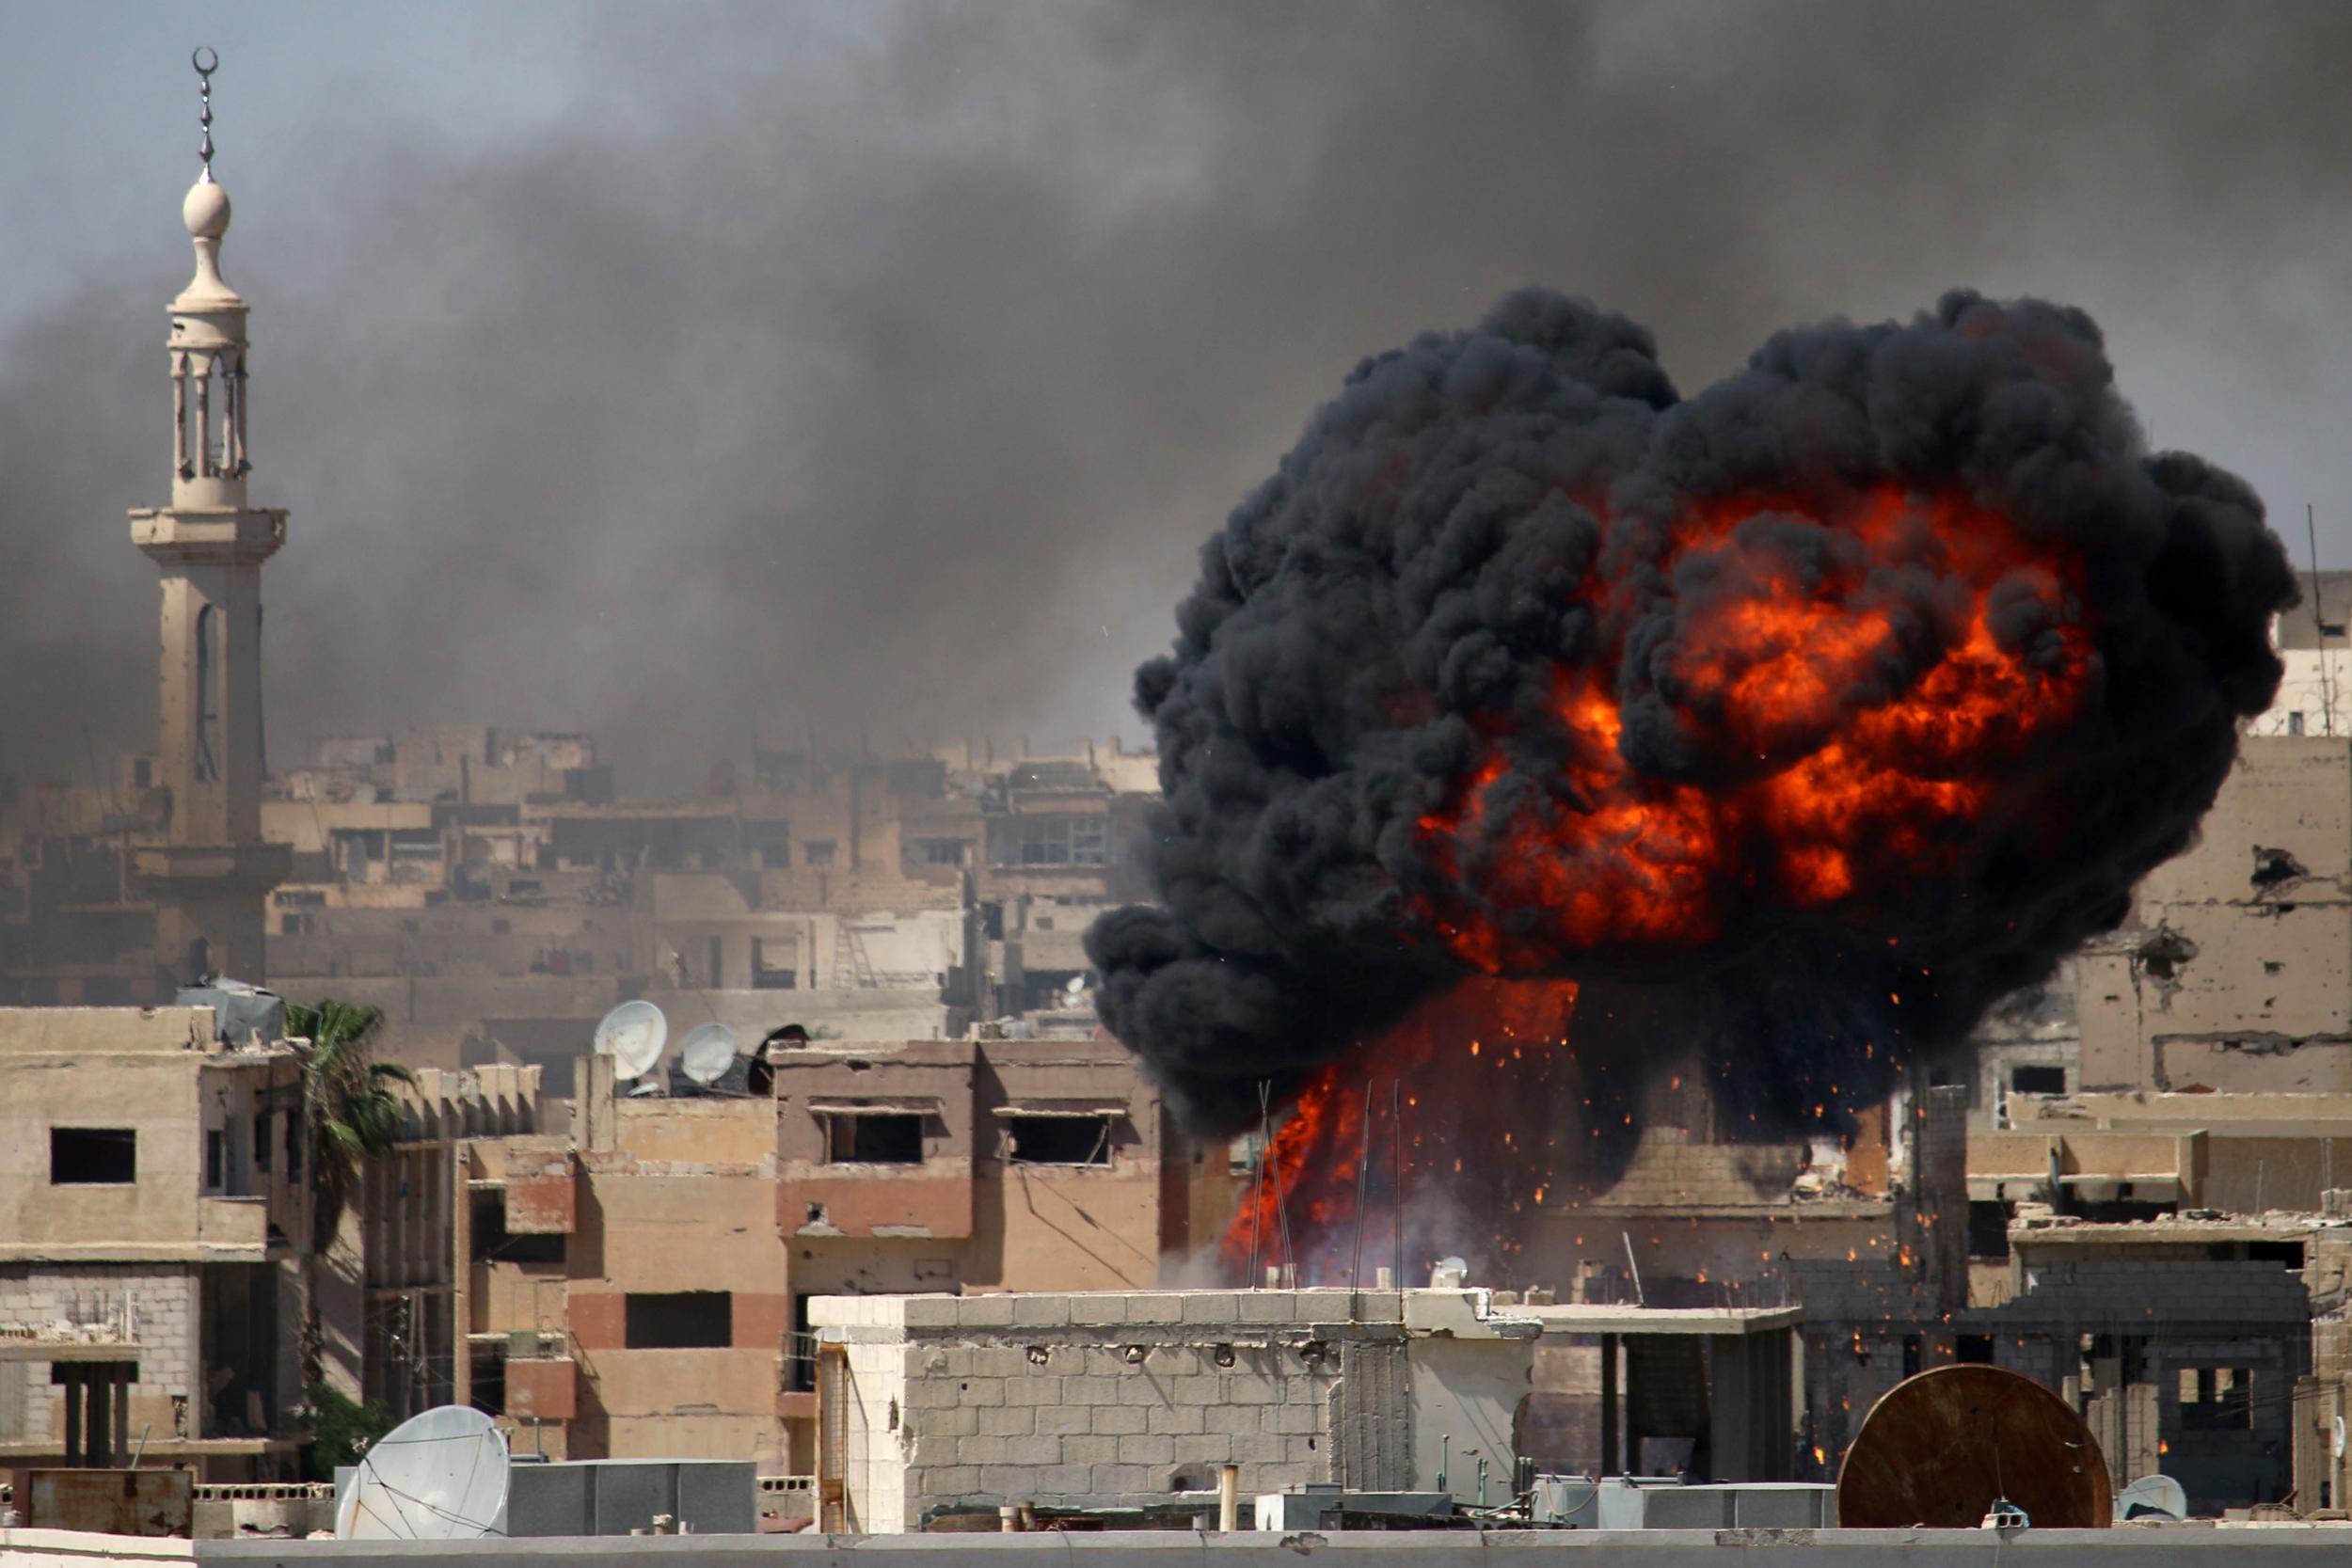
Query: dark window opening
[1059,1140]
[262,1143]
[207,707]
[293,1145]
[2216,1398]
[215,1158]
[1988,1231]
[776,963]
[816,853]
[487,1392]
[2289,1252]
[93,1156]
[679,1320]
[1972,1350]
[494,1243]
[884,1139]
[2027,1079]
[800,1354]
[1911,1356]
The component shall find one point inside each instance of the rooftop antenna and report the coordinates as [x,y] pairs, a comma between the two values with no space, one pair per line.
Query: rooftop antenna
[2319,625]
[1396,1119]
[1364,1177]
[206,60]
[707,1053]
[632,1035]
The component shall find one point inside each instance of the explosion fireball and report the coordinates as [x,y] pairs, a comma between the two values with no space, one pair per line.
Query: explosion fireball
[1822,708]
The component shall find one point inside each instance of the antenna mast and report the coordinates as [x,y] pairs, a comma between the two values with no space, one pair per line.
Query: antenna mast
[2319,625]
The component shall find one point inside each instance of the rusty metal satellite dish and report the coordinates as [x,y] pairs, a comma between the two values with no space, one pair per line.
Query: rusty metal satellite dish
[1939,1447]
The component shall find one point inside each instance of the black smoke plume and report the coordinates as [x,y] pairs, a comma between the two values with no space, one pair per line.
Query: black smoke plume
[1369,716]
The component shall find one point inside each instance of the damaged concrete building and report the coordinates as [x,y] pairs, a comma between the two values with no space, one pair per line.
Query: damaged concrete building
[644,1284]
[936,1405]
[154,1242]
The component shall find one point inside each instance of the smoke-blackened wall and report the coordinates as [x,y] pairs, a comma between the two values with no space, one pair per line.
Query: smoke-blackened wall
[1846,695]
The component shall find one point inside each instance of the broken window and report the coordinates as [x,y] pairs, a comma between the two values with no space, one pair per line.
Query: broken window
[2164,952]
[1050,840]
[215,1158]
[800,1350]
[261,1141]
[2216,1398]
[2028,1079]
[816,852]
[1058,1140]
[1988,1229]
[494,1243]
[941,851]
[1972,1350]
[776,963]
[678,1319]
[93,1156]
[2294,723]
[875,1138]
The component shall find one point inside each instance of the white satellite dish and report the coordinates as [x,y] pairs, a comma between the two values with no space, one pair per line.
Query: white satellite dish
[439,1476]
[707,1053]
[632,1035]
[2151,1498]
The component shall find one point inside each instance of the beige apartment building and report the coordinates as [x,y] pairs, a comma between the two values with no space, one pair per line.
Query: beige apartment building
[642,1286]
[154,1231]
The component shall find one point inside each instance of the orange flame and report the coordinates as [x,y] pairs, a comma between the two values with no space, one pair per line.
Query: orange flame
[1848,792]
[1310,1165]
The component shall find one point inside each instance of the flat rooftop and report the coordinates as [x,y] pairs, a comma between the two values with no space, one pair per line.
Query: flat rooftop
[1590,1319]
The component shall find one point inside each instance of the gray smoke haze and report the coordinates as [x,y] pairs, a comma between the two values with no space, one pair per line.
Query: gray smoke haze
[890,382]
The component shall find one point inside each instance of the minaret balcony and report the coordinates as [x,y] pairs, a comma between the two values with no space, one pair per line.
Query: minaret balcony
[219,536]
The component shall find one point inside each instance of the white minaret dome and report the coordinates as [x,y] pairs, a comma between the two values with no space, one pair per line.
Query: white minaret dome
[206,210]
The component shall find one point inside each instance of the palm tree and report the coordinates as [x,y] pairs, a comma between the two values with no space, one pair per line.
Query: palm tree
[349,1113]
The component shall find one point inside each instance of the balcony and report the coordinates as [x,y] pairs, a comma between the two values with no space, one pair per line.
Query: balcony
[233,1224]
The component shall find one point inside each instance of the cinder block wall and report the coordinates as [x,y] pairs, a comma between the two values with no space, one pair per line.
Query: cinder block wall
[1107,1400]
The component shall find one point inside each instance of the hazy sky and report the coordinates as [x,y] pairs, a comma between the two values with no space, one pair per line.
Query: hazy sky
[685,371]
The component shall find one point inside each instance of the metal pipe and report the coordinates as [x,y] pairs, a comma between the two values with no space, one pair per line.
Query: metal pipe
[1363,1175]
[1396,1117]
[1229,1499]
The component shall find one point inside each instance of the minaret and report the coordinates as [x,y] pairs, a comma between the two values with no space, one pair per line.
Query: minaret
[211,876]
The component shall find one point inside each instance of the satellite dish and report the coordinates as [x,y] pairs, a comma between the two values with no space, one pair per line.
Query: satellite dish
[439,1476]
[2337,1447]
[1940,1448]
[632,1035]
[2151,1498]
[707,1053]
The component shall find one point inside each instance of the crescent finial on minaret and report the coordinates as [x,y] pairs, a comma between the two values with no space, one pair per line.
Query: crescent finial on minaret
[206,60]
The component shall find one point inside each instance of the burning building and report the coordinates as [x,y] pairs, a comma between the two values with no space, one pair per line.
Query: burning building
[1534,721]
